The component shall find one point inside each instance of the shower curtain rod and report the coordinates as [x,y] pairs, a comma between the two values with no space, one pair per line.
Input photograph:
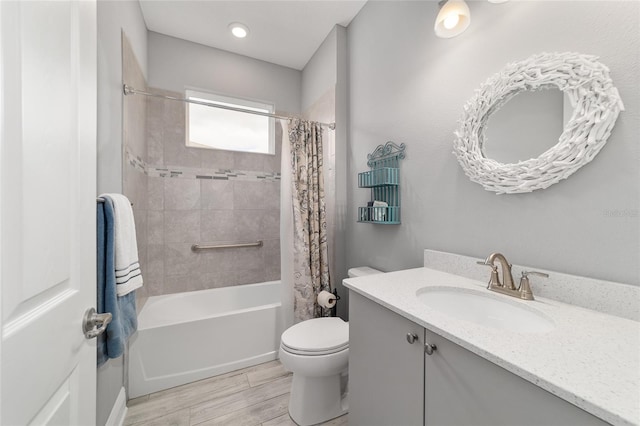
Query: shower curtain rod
[128,90]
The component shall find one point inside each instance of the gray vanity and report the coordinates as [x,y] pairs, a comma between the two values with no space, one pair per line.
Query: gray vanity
[394,382]
[411,365]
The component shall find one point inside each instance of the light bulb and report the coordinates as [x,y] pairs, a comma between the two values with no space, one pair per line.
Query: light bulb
[451,21]
[239,30]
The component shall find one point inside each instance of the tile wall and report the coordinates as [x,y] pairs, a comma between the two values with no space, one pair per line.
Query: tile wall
[134,180]
[197,195]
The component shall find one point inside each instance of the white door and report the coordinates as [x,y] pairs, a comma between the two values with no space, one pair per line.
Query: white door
[47,211]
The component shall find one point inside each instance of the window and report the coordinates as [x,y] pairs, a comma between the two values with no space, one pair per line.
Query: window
[217,128]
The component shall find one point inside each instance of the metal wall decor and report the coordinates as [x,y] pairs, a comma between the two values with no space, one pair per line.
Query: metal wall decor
[389,149]
[384,181]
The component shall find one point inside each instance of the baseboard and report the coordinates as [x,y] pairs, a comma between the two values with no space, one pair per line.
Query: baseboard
[119,410]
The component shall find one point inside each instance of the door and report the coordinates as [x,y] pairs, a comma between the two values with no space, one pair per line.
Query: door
[47,214]
[462,388]
[386,366]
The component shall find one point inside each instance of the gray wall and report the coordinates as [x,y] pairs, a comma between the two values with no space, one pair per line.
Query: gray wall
[408,86]
[175,63]
[134,135]
[319,74]
[324,99]
[114,17]
[341,172]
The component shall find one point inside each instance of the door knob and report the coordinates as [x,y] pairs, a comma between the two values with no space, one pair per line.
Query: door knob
[94,324]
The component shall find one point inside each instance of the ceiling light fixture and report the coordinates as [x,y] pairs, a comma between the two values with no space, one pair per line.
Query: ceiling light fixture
[239,30]
[453,19]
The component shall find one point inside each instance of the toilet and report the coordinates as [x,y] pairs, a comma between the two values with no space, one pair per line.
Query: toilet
[317,352]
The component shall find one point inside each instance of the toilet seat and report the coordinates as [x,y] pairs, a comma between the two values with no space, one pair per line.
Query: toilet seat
[319,336]
[312,353]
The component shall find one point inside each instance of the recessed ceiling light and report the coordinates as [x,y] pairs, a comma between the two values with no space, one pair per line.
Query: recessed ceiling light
[239,30]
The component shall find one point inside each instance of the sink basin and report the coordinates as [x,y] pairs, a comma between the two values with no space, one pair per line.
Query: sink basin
[485,309]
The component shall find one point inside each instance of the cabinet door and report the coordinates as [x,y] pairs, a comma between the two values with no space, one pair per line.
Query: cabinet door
[462,388]
[386,376]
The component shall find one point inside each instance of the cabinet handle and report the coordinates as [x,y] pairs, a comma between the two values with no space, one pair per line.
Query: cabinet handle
[411,338]
[430,348]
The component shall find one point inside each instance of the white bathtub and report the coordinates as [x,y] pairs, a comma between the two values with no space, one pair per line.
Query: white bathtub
[190,336]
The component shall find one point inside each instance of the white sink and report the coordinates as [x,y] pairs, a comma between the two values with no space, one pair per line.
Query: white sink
[486,309]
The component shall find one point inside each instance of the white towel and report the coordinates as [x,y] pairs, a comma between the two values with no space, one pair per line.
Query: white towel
[128,274]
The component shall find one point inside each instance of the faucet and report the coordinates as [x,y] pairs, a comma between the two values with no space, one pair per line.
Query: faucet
[507,278]
[506,286]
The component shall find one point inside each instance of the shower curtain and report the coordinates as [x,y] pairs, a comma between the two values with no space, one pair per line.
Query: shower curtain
[303,230]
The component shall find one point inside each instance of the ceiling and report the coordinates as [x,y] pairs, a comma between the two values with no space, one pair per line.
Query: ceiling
[286,33]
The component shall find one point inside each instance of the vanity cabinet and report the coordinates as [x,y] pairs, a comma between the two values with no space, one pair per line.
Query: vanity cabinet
[386,380]
[462,388]
[393,382]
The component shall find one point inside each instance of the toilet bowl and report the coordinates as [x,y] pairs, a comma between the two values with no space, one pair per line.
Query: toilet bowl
[317,352]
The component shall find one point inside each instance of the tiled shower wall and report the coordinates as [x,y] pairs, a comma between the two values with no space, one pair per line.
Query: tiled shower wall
[200,195]
[134,182]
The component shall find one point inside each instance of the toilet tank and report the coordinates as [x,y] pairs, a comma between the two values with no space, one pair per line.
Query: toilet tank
[362,271]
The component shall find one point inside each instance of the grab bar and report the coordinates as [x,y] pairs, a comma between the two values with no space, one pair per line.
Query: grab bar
[198,247]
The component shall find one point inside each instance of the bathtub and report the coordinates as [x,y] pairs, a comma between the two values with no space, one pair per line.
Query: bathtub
[190,336]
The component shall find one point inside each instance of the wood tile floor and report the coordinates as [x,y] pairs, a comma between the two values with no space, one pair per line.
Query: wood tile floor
[253,396]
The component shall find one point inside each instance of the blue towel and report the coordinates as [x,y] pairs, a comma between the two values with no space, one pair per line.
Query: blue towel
[125,321]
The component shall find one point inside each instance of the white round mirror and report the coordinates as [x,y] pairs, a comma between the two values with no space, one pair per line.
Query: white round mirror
[593,107]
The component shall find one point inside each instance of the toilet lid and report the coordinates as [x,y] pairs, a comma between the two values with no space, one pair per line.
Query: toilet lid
[319,335]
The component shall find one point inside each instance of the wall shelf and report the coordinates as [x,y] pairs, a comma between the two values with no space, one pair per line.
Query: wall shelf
[384,181]
[384,176]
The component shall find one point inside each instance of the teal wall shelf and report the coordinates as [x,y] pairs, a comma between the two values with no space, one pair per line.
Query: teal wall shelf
[384,181]
[384,176]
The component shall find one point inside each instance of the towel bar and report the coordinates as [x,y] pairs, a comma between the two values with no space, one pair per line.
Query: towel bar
[198,247]
[101,200]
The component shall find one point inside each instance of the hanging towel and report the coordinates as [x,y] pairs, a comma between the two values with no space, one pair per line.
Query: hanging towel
[125,322]
[128,275]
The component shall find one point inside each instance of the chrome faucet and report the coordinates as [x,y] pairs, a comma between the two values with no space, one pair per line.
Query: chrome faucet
[506,286]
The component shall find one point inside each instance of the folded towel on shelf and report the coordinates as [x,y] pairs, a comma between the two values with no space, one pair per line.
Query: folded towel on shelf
[380,211]
[125,321]
[128,275]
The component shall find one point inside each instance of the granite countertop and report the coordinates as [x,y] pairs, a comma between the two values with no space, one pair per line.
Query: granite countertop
[590,359]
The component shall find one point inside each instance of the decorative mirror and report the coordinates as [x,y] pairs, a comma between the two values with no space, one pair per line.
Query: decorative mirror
[536,117]
[589,90]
